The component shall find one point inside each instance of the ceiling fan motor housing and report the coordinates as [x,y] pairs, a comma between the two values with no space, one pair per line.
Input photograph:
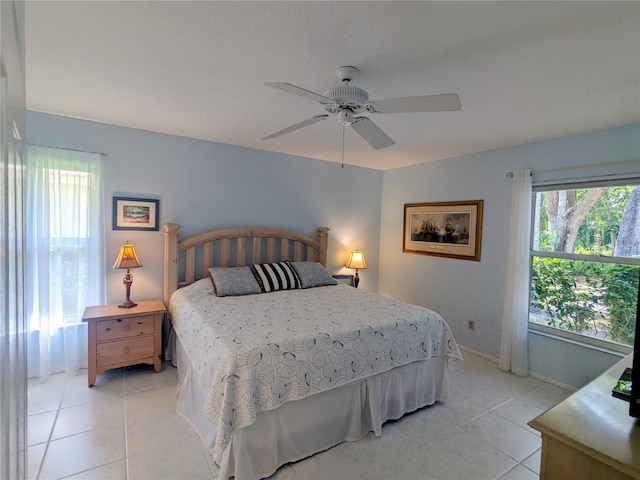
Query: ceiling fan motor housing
[354,98]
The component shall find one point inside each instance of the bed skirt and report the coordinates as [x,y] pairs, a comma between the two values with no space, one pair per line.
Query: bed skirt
[304,427]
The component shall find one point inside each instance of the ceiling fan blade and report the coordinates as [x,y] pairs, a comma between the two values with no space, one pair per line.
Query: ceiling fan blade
[371,133]
[448,102]
[289,88]
[305,123]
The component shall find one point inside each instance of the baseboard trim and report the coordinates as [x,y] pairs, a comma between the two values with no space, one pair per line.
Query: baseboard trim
[557,383]
[531,373]
[479,354]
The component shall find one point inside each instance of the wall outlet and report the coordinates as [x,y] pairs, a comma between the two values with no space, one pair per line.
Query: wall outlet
[472,325]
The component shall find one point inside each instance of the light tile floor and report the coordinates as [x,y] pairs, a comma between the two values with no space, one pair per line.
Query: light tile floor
[126,428]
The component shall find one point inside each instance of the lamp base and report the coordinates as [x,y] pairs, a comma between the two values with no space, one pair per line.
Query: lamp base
[128,304]
[127,280]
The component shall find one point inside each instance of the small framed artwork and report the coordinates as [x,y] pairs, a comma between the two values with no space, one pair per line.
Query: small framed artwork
[348,279]
[135,214]
[445,229]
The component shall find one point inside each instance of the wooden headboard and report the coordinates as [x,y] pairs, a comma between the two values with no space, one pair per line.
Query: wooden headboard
[188,259]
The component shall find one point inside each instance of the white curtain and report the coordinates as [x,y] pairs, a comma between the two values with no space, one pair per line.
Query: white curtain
[13,363]
[513,351]
[65,255]
[13,360]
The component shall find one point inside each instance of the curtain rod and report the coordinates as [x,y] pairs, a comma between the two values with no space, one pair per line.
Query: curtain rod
[621,162]
[68,149]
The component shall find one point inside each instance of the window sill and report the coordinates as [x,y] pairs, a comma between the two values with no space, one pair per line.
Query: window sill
[587,342]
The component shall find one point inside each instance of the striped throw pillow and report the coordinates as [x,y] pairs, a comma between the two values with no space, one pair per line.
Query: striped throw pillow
[275,276]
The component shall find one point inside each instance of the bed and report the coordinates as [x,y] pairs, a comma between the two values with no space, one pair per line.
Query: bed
[277,370]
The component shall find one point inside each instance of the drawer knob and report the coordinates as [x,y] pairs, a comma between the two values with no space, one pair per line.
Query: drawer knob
[108,329]
[119,320]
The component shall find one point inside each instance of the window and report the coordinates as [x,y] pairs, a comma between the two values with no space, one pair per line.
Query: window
[585,260]
[65,254]
[69,235]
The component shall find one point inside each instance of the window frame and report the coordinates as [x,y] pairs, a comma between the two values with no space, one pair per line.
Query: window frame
[565,335]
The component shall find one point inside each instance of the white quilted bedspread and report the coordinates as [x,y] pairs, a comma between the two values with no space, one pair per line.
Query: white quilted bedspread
[256,352]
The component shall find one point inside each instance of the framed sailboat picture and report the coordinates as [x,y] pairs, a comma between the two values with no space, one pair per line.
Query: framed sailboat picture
[445,229]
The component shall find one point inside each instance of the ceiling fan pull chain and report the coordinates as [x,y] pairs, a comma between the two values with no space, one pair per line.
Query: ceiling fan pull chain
[343,146]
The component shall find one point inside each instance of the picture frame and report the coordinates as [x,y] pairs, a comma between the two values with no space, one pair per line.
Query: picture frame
[444,229]
[136,214]
[348,279]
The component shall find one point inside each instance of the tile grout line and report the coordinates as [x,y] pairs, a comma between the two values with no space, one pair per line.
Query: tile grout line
[53,426]
[479,437]
[108,463]
[126,433]
[527,458]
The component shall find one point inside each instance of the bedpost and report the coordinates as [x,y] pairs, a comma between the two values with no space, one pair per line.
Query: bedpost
[323,238]
[170,260]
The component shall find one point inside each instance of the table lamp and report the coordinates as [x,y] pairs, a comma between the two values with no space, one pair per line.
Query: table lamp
[127,258]
[356,260]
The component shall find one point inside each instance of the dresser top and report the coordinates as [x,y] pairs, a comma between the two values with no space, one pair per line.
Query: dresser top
[597,423]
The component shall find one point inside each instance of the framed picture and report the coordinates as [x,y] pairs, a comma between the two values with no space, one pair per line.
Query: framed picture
[445,229]
[135,214]
[348,279]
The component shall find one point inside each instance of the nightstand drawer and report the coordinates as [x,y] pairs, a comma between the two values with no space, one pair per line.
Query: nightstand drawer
[124,327]
[124,351]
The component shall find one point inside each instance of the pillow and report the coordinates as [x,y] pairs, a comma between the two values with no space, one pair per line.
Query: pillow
[275,276]
[312,274]
[232,281]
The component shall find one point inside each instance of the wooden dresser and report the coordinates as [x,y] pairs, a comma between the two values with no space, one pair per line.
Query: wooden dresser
[119,337]
[590,435]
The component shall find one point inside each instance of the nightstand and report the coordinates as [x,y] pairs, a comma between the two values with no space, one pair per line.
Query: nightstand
[119,337]
[348,279]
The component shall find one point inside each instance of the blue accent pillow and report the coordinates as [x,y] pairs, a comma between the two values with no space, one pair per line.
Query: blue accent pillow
[233,281]
[313,274]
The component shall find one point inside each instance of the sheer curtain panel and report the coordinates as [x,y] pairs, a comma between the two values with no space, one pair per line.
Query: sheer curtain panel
[13,363]
[65,255]
[513,351]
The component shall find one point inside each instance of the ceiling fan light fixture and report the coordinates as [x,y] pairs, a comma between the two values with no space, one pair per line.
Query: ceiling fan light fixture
[345,117]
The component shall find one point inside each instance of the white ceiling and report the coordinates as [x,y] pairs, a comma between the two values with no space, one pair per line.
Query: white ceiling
[524,71]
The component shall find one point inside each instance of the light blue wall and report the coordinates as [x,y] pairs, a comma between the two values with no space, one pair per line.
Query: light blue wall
[205,185]
[461,290]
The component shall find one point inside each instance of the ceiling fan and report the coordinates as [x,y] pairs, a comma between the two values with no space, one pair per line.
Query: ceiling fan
[346,101]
